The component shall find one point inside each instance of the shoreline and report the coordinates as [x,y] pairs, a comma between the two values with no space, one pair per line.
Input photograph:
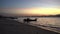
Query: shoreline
[8,26]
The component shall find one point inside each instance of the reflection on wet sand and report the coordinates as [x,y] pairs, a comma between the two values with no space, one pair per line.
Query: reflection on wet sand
[49,23]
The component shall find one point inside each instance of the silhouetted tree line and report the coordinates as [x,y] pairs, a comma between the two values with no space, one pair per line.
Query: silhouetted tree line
[58,15]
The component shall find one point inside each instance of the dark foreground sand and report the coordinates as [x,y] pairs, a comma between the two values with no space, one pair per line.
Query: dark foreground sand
[13,27]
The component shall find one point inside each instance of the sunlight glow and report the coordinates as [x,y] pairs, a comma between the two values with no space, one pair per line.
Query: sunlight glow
[46,11]
[42,11]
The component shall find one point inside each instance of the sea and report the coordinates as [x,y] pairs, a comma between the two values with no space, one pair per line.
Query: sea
[46,21]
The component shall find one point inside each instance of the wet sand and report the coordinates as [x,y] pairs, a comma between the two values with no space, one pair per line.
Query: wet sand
[8,26]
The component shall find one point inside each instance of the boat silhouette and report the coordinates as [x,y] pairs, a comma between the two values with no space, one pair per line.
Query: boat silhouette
[29,20]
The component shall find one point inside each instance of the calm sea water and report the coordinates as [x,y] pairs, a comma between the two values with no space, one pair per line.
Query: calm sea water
[47,21]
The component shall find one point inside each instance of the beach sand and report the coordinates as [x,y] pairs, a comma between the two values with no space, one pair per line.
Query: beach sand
[8,26]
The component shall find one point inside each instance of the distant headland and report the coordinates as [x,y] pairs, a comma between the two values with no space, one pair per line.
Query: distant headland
[58,15]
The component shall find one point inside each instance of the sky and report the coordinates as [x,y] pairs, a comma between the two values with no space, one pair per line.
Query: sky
[49,7]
